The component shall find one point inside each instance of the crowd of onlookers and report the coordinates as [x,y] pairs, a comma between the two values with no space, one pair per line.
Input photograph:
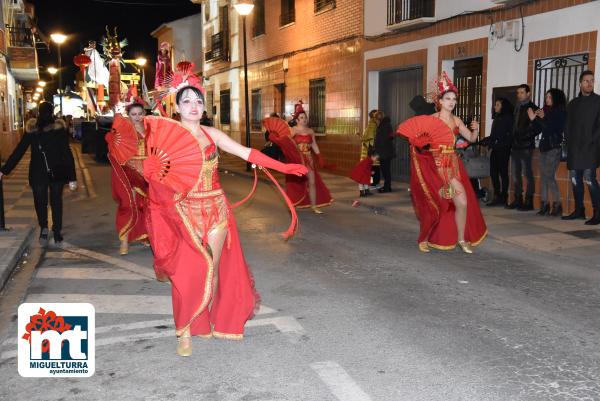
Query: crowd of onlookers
[560,131]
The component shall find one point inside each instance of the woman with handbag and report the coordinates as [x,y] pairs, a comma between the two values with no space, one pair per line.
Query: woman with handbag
[551,120]
[51,167]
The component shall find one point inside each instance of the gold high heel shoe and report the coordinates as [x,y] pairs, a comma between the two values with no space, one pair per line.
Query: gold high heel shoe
[424,247]
[184,350]
[316,210]
[465,246]
[124,248]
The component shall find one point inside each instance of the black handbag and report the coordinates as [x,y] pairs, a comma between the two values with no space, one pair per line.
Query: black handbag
[58,172]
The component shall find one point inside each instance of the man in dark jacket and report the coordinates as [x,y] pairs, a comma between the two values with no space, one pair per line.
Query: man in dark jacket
[521,154]
[582,132]
[384,147]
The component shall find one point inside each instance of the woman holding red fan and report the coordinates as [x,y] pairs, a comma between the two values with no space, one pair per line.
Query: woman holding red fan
[127,149]
[299,146]
[191,226]
[442,195]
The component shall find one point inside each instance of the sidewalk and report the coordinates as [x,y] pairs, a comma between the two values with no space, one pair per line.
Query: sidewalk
[524,229]
[20,219]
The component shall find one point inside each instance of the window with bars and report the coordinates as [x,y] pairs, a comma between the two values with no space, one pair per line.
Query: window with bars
[560,73]
[288,12]
[406,10]
[316,104]
[255,122]
[321,5]
[259,17]
[225,106]
[468,78]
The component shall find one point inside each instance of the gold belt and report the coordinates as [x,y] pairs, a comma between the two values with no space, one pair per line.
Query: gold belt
[444,149]
[205,194]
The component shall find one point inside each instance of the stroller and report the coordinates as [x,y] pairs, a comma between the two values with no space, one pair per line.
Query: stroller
[477,164]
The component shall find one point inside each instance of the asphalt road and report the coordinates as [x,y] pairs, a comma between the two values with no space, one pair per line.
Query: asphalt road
[352,311]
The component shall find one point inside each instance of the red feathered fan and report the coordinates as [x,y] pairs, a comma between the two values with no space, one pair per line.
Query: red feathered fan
[174,155]
[276,126]
[426,130]
[122,139]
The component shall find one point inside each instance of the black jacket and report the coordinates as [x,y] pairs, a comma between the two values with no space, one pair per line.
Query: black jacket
[552,127]
[582,132]
[54,141]
[384,139]
[501,134]
[524,132]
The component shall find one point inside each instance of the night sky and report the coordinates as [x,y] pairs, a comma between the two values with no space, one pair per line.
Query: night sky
[84,20]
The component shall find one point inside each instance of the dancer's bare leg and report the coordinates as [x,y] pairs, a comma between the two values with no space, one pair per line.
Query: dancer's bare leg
[460,214]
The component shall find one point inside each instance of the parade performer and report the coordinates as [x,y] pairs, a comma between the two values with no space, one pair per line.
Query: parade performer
[362,172]
[163,65]
[442,195]
[298,145]
[191,226]
[127,150]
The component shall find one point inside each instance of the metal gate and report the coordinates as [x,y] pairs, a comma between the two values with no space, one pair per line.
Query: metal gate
[558,72]
[468,77]
[396,89]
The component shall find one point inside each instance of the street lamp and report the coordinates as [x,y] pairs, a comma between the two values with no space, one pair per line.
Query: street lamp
[140,61]
[42,84]
[59,39]
[52,70]
[244,8]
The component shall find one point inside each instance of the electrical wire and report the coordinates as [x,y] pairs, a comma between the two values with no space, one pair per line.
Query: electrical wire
[522,31]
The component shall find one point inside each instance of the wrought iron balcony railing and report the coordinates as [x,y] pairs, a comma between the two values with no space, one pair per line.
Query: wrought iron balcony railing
[20,36]
[406,10]
[219,49]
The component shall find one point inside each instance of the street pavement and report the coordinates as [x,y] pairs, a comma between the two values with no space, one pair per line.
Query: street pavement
[351,309]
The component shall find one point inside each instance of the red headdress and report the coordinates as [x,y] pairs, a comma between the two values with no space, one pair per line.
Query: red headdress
[298,109]
[183,76]
[444,84]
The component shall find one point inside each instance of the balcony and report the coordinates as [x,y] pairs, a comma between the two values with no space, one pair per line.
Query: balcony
[219,49]
[22,53]
[404,14]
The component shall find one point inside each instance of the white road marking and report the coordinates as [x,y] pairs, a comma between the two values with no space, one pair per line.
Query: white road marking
[285,324]
[132,267]
[125,304]
[86,273]
[64,255]
[342,386]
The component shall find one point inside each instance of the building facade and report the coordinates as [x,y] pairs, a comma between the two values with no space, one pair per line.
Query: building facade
[297,50]
[488,51]
[19,72]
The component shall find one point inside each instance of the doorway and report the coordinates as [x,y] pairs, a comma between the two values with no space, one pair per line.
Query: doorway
[468,78]
[396,89]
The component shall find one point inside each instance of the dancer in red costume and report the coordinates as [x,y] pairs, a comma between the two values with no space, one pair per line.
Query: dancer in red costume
[192,229]
[128,185]
[300,146]
[442,195]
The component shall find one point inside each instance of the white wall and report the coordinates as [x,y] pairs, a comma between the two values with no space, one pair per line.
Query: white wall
[376,12]
[188,38]
[506,66]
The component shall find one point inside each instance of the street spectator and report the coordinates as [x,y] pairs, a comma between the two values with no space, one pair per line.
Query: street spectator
[50,168]
[551,121]
[420,106]
[499,142]
[384,147]
[205,120]
[368,138]
[582,132]
[521,154]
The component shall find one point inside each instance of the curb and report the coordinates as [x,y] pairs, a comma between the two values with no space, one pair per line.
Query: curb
[16,256]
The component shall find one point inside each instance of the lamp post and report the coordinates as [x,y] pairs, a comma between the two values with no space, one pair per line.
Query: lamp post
[59,39]
[244,8]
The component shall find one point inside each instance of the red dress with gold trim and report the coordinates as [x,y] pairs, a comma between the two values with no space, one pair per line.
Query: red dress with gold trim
[129,190]
[299,150]
[431,172]
[179,226]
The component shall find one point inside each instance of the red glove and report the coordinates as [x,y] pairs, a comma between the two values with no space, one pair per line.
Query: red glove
[261,159]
